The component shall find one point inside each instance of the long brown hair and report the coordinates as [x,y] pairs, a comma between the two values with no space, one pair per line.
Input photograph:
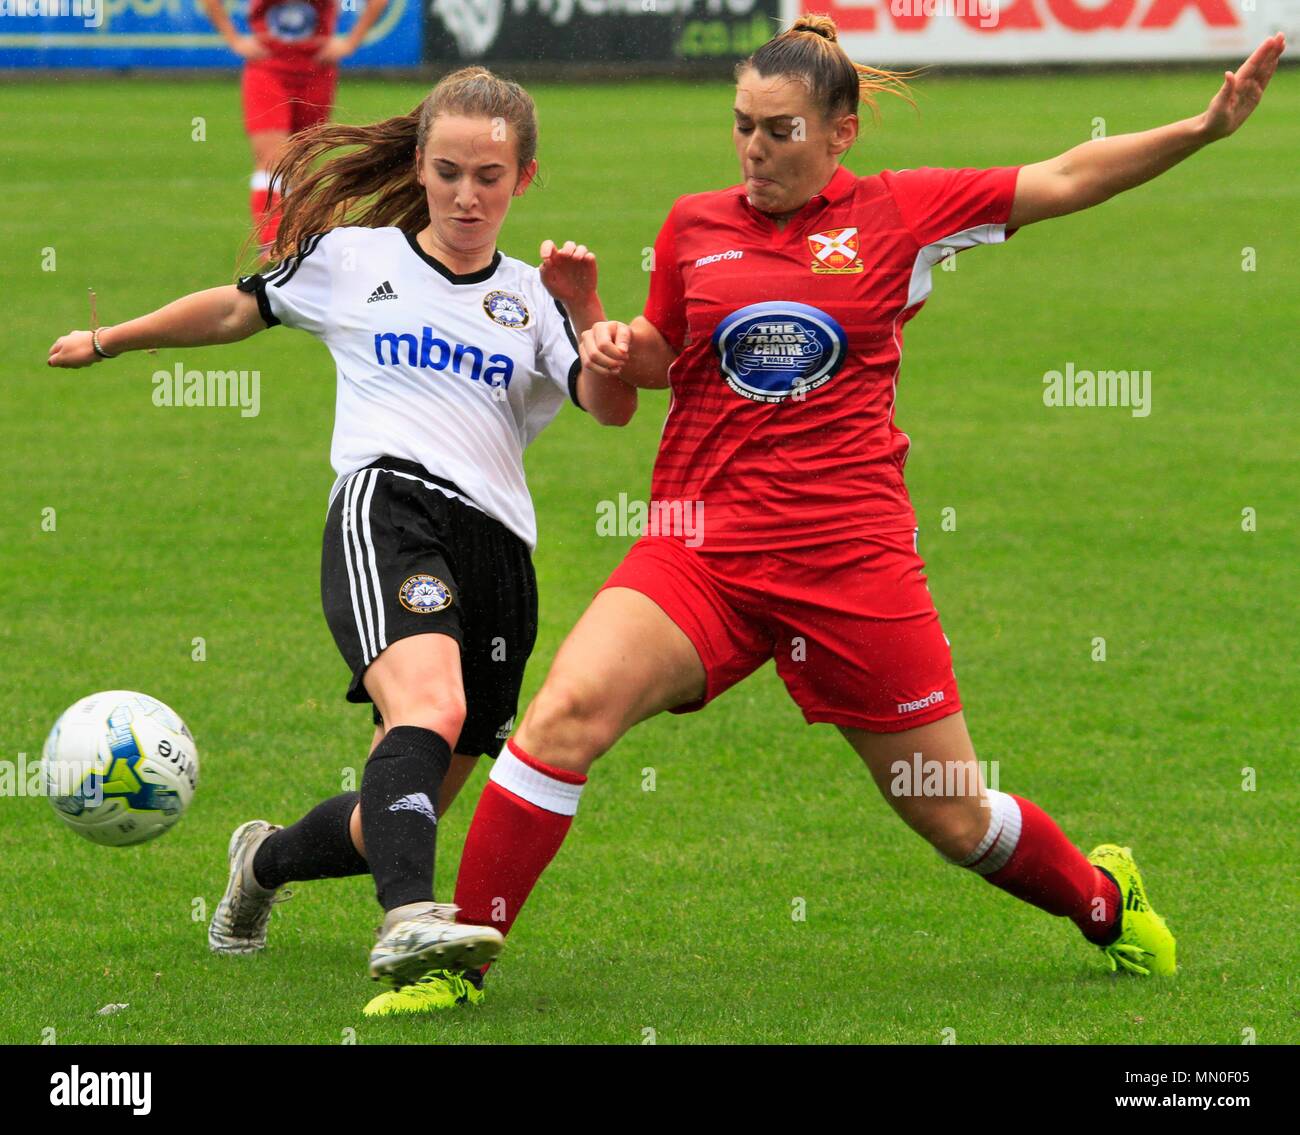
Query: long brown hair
[374,185]
[809,49]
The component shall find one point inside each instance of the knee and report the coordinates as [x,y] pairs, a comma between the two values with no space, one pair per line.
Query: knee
[441,712]
[354,830]
[568,724]
[954,832]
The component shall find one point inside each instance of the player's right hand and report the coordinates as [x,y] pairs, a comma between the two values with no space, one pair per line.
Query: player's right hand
[250,47]
[604,348]
[75,349]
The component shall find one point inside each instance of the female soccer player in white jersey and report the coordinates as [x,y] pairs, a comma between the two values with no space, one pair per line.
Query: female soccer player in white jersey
[451,358]
[775,314]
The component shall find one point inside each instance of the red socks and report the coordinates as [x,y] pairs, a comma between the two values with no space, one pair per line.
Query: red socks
[264,204]
[1027,855]
[527,808]
[522,818]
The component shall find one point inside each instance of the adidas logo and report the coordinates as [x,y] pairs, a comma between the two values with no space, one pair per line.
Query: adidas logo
[1134,901]
[415,802]
[383,292]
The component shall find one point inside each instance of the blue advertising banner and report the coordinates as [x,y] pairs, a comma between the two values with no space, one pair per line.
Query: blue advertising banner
[172,33]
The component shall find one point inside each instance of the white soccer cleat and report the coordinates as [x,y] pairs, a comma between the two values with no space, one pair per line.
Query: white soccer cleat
[238,924]
[426,936]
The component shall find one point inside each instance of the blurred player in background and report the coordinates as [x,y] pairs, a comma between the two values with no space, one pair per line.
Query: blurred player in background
[290,74]
[450,359]
[775,314]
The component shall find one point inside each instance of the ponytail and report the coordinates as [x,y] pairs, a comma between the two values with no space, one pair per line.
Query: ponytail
[809,49]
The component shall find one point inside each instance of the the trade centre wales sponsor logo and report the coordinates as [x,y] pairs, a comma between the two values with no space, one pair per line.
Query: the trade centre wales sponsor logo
[772,351]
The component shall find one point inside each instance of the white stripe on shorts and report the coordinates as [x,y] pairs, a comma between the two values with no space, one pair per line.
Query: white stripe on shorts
[352,556]
[378,593]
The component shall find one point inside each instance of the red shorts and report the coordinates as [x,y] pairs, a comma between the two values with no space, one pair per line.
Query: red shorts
[286,99]
[851,625]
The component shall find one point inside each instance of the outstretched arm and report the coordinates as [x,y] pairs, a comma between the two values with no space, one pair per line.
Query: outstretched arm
[218,315]
[1095,171]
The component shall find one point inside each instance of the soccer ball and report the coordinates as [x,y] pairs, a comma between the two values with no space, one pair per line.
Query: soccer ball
[120,768]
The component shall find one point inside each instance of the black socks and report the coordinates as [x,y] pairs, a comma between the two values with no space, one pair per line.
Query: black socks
[319,846]
[399,795]
[399,826]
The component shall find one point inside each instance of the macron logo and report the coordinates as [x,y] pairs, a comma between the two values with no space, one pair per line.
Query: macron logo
[415,802]
[921,703]
[730,254]
[383,292]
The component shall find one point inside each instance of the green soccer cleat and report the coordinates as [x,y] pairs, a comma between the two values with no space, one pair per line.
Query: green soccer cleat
[1144,945]
[439,989]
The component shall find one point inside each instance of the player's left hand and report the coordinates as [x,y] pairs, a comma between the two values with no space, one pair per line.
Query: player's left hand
[75,349]
[336,47]
[1243,89]
[569,273]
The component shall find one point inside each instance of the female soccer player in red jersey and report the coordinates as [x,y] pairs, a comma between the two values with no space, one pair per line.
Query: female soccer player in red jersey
[784,531]
[290,73]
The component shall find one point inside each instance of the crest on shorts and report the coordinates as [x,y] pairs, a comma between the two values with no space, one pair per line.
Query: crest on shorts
[424,594]
[835,252]
[507,308]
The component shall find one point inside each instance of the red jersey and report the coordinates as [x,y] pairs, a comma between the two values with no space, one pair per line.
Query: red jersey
[294,30]
[782,415]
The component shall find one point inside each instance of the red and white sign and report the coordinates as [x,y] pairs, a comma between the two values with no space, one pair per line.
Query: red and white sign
[883,32]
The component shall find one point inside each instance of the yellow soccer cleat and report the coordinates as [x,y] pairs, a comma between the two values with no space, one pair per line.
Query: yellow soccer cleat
[1144,945]
[437,990]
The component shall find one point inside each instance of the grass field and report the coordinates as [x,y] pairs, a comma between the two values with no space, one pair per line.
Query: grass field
[671,910]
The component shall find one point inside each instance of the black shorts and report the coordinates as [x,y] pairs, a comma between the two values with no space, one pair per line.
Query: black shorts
[401,558]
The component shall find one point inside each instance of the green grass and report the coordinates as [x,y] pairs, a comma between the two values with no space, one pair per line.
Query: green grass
[671,910]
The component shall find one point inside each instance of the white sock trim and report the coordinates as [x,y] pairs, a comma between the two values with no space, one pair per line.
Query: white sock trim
[1003,846]
[535,786]
[999,842]
[990,836]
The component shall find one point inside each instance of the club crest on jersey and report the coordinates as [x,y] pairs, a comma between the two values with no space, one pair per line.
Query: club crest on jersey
[424,594]
[292,21]
[507,309]
[835,252]
[769,351]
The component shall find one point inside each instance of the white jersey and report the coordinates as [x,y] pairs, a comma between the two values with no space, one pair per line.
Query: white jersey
[457,373]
